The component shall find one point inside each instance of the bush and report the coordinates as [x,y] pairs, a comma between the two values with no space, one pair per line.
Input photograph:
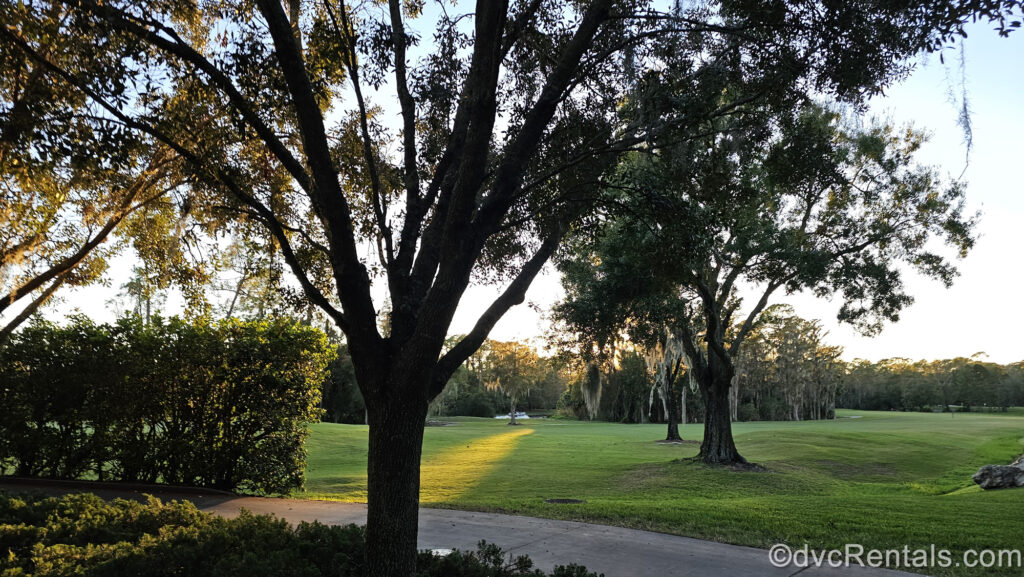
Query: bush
[475,404]
[84,535]
[220,405]
[747,412]
[466,395]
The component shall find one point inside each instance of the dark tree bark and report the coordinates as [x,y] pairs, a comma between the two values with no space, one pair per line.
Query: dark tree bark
[714,371]
[673,411]
[718,447]
[393,473]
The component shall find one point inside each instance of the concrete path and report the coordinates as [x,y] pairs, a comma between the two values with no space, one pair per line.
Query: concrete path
[614,551]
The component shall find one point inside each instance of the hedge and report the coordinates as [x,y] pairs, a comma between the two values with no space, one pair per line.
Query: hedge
[84,535]
[221,405]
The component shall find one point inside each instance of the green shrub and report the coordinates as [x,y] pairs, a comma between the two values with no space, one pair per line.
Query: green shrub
[476,404]
[466,395]
[747,412]
[221,405]
[84,535]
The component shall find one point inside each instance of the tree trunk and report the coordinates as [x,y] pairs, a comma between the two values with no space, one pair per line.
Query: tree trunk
[669,398]
[512,413]
[734,399]
[682,404]
[393,485]
[718,447]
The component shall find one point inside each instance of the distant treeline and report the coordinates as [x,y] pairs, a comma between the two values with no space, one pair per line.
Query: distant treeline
[785,371]
[481,387]
[960,384]
[807,386]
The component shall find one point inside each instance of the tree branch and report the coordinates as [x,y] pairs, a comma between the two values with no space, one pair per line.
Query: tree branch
[519,26]
[449,235]
[514,294]
[351,61]
[328,198]
[412,177]
[748,324]
[464,235]
[186,53]
[509,174]
[8,330]
[143,182]
[218,175]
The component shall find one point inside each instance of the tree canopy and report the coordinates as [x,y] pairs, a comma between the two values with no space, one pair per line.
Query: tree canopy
[65,189]
[514,369]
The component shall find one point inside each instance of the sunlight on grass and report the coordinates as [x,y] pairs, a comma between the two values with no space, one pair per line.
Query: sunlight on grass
[883,480]
[452,472]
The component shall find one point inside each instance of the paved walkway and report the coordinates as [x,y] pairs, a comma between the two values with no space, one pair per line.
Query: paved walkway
[614,551]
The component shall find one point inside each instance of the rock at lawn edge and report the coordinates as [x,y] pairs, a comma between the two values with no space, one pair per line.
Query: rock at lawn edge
[1001,476]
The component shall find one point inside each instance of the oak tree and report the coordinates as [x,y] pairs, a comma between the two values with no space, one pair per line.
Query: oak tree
[801,202]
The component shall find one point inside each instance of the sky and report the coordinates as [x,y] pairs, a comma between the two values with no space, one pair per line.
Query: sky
[981,312]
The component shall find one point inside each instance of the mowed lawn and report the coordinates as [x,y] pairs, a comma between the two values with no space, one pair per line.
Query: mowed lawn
[882,480]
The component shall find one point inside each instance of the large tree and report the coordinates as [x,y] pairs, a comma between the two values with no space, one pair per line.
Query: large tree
[506,118]
[778,202]
[513,368]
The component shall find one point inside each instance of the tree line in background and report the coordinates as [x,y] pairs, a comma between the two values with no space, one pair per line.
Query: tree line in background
[222,405]
[501,378]
[949,385]
[786,372]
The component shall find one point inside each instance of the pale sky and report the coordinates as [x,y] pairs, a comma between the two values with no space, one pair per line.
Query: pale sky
[981,312]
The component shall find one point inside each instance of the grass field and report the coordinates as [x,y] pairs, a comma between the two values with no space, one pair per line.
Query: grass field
[882,480]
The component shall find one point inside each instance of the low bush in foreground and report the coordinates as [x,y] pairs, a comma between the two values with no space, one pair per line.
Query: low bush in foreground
[84,535]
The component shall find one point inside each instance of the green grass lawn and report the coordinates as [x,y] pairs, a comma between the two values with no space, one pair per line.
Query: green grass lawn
[883,480]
